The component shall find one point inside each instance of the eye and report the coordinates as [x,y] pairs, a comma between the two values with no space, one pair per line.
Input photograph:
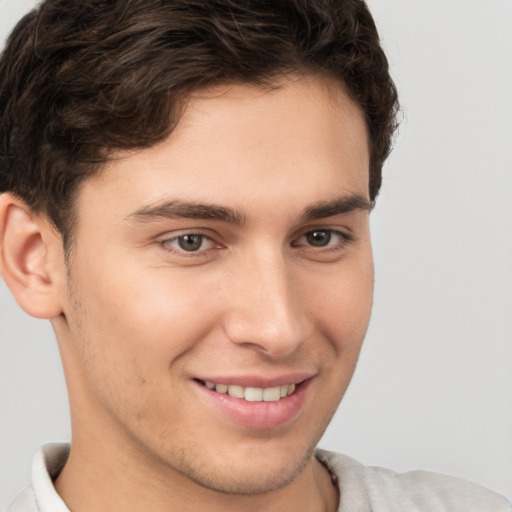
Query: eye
[189,242]
[318,238]
[323,240]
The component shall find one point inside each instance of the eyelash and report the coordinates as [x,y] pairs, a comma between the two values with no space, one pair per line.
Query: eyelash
[343,239]
[166,244]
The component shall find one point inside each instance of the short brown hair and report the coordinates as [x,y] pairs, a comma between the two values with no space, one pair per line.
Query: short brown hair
[80,79]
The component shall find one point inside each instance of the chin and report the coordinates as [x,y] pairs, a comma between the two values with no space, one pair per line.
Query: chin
[251,481]
[245,475]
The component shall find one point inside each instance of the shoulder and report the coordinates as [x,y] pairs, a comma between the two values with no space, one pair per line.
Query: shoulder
[382,489]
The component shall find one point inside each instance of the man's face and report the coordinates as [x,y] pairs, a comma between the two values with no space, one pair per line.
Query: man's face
[236,253]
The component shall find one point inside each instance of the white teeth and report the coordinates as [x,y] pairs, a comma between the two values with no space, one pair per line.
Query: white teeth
[221,388]
[253,394]
[236,391]
[271,394]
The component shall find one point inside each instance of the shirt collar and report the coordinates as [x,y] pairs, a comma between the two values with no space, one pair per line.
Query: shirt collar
[48,463]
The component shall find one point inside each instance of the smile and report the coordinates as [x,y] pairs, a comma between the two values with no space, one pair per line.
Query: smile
[251,394]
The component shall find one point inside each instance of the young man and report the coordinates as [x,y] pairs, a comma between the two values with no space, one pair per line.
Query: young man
[186,190]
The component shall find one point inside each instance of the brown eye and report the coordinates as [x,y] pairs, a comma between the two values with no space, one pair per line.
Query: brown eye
[319,238]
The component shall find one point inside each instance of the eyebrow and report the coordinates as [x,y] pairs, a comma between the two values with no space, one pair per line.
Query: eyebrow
[339,206]
[176,209]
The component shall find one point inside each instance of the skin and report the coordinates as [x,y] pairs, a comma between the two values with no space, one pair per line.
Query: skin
[139,319]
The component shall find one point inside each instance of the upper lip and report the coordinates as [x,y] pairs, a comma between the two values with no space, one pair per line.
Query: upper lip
[259,381]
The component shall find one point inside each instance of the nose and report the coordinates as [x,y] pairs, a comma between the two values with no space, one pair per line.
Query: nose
[266,308]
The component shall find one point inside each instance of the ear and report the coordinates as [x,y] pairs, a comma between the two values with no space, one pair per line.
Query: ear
[31,258]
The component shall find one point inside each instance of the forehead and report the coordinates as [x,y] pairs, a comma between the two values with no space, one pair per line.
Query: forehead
[238,143]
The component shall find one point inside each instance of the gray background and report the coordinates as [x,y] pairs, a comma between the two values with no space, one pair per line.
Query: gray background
[434,385]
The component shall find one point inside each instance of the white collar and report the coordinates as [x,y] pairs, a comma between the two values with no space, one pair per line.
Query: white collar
[48,463]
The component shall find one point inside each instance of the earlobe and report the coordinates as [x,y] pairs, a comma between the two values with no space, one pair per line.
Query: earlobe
[26,247]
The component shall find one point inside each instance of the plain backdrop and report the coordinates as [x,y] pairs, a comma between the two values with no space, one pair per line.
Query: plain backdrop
[433,389]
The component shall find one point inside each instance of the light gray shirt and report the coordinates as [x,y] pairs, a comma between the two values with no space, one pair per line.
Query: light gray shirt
[362,489]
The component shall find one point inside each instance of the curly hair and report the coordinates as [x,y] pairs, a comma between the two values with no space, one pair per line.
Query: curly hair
[80,80]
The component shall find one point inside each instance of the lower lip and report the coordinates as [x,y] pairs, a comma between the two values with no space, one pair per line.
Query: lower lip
[260,415]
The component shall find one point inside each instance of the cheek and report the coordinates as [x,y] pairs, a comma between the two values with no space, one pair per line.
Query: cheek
[145,319]
[344,306]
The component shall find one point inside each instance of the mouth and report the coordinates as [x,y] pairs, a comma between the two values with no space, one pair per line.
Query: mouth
[278,402]
[252,394]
